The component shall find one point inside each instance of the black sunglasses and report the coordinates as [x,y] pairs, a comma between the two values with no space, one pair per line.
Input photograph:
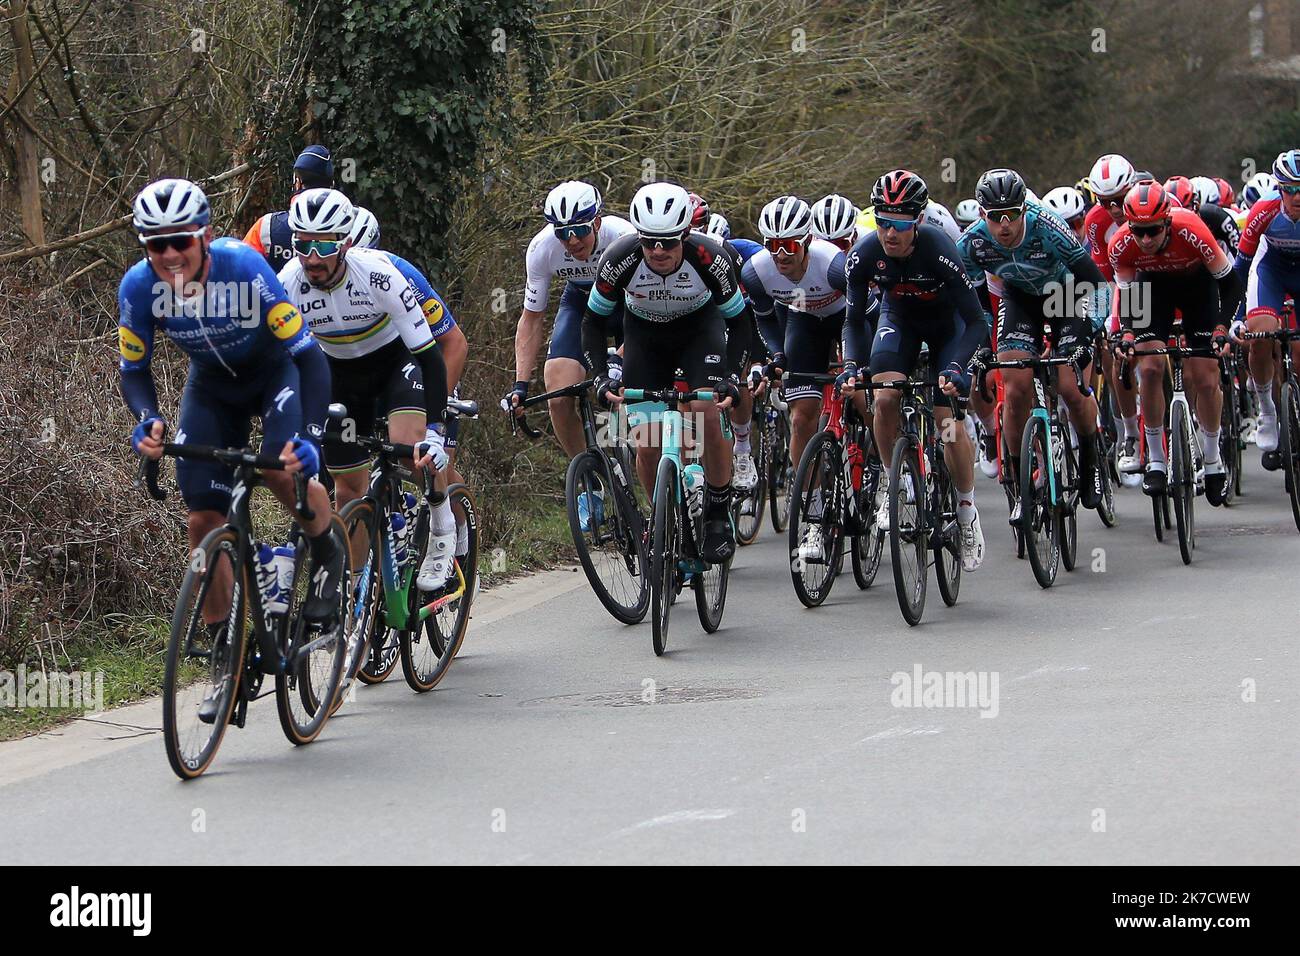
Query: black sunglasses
[666,243]
[180,241]
[1146,231]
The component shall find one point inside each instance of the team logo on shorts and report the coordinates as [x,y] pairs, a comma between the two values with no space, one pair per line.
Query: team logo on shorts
[712,359]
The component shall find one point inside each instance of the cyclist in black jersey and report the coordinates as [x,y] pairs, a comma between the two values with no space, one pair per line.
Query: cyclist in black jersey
[682,310]
[925,297]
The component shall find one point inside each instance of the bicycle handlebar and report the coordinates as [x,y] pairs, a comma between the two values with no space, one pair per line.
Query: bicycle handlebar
[240,457]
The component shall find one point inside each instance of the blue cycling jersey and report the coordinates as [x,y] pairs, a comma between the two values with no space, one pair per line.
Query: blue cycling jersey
[441,321]
[746,247]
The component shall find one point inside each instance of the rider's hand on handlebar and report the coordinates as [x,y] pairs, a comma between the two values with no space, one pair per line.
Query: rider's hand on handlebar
[954,382]
[847,380]
[728,392]
[608,390]
[1124,347]
[512,399]
[1221,342]
[147,438]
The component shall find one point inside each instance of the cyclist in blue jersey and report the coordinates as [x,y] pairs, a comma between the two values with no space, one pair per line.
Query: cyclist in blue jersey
[925,297]
[250,354]
[1032,260]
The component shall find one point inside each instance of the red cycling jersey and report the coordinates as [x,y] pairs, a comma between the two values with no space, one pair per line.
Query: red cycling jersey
[1098,227]
[1190,245]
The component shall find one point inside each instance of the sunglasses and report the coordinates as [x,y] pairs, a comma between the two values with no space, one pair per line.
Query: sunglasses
[1116,200]
[580,231]
[1290,190]
[667,243]
[790,246]
[898,225]
[322,247]
[844,244]
[1004,215]
[1077,221]
[1146,231]
[180,241]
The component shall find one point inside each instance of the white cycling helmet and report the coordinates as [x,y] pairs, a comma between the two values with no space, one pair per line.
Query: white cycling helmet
[1066,201]
[1261,184]
[834,217]
[661,211]
[365,229]
[1207,190]
[321,210]
[967,211]
[1111,175]
[718,226]
[571,203]
[170,203]
[786,217]
[1031,196]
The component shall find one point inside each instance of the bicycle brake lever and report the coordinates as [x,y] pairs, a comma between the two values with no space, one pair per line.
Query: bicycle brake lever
[300,505]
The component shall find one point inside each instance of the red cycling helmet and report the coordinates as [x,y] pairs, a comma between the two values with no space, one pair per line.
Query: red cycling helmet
[1182,190]
[699,211]
[1147,204]
[1226,193]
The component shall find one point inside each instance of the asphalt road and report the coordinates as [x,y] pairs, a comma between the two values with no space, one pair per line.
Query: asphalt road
[1145,714]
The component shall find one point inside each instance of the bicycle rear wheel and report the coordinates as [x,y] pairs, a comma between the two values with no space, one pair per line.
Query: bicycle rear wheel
[1008,478]
[307,687]
[750,522]
[203,663]
[1040,523]
[1289,444]
[908,543]
[815,537]
[610,549]
[1182,481]
[1230,439]
[664,550]
[1069,510]
[428,647]
[710,588]
[868,544]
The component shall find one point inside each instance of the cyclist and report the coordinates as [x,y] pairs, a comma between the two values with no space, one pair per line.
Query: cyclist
[683,310]
[250,354]
[1031,259]
[568,248]
[936,214]
[835,220]
[1068,204]
[1110,180]
[1170,252]
[383,358]
[1085,190]
[796,285]
[271,235]
[927,297]
[1269,256]
[744,473]
[1222,226]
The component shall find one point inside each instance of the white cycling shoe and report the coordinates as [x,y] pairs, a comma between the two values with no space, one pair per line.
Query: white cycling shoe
[1266,436]
[972,543]
[439,560]
[810,548]
[744,475]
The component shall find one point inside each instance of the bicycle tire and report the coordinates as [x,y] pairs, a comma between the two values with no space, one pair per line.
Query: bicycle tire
[1039,519]
[366,594]
[748,526]
[946,538]
[779,480]
[620,581]
[908,539]
[821,458]
[1289,445]
[220,545]
[1069,509]
[1181,482]
[868,545]
[663,554]
[710,606]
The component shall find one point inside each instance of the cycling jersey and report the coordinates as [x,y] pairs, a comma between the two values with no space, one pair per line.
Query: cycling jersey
[547,259]
[434,306]
[1098,228]
[273,238]
[925,295]
[1190,245]
[370,305]
[818,292]
[1269,253]
[1222,226]
[747,248]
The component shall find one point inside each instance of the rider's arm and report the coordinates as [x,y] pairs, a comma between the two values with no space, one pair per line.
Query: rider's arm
[290,330]
[135,342]
[399,299]
[455,352]
[863,307]
[968,304]
[594,351]
[739,318]
[764,308]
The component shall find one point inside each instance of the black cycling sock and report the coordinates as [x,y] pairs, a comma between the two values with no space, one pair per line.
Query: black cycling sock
[1087,451]
[719,499]
[322,547]
[1014,467]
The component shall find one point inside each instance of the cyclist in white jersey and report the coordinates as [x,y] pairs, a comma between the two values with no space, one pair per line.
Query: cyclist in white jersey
[568,248]
[382,355]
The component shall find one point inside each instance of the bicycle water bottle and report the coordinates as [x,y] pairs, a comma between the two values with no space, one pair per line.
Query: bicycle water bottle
[284,559]
[397,524]
[268,581]
[694,474]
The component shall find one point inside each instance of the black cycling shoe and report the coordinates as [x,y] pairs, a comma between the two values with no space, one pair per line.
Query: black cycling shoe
[1090,486]
[322,604]
[719,540]
[1154,482]
[1272,460]
[1216,488]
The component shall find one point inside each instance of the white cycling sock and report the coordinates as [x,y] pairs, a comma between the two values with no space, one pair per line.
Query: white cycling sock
[1265,396]
[965,506]
[1209,445]
[1131,427]
[1156,445]
[443,519]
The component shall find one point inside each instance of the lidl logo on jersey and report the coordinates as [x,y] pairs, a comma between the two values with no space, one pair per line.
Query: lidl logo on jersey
[284,321]
[129,344]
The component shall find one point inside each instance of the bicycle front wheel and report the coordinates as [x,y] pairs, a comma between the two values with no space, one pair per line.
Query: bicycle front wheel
[664,551]
[1182,480]
[1038,516]
[608,542]
[204,660]
[816,520]
[908,538]
[710,588]
[1069,498]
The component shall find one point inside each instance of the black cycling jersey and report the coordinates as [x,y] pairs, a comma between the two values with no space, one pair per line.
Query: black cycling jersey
[1222,226]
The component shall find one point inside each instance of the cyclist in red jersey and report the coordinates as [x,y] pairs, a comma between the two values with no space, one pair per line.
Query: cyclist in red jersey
[1169,254]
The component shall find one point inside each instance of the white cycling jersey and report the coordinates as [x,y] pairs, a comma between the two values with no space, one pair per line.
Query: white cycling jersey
[937,214]
[369,306]
[813,294]
[547,259]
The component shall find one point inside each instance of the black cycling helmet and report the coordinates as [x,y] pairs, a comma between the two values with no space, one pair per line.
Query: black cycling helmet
[1000,189]
[900,192]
